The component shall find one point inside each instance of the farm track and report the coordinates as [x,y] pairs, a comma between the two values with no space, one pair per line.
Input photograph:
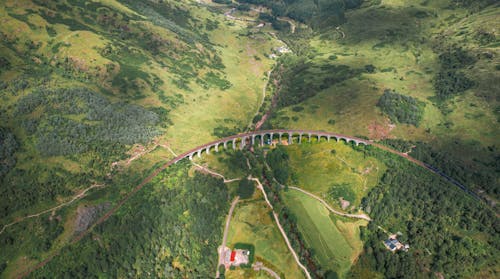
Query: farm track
[187,153]
[224,237]
[359,216]
[283,233]
[76,197]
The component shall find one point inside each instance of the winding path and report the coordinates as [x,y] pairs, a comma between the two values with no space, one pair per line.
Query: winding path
[226,230]
[76,197]
[260,266]
[283,233]
[242,139]
[359,216]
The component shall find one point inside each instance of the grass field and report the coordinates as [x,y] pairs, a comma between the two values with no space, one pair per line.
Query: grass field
[157,61]
[317,167]
[252,223]
[235,107]
[399,39]
[335,241]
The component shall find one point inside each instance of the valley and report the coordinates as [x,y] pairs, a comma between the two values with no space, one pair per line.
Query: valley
[128,129]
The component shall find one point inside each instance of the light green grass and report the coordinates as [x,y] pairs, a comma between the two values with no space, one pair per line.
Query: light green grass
[206,109]
[335,243]
[252,223]
[410,53]
[316,169]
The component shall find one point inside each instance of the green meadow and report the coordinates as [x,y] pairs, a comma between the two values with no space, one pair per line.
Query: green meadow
[398,39]
[252,223]
[321,168]
[335,241]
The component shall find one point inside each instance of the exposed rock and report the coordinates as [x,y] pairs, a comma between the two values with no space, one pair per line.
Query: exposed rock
[86,215]
[344,203]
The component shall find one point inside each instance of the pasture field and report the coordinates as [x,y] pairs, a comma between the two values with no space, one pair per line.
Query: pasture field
[252,223]
[320,168]
[335,241]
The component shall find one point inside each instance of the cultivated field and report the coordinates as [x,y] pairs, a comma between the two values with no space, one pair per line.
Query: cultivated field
[335,241]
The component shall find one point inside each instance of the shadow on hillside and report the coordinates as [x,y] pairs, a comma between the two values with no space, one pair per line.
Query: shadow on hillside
[385,24]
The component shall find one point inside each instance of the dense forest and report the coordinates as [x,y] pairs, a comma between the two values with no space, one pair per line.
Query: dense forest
[401,108]
[170,229]
[8,147]
[455,237]
[104,123]
[411,200]
[478,173]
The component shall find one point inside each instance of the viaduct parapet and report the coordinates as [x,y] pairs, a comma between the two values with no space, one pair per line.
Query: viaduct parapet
[266,136]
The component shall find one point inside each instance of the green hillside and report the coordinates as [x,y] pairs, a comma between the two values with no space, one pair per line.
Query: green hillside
[96,95]
[425,72]
[92,94]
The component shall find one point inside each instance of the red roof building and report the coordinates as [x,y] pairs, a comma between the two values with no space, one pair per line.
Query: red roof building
[233,255]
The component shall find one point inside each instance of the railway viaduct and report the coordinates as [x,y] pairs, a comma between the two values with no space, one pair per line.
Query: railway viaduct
[260,137]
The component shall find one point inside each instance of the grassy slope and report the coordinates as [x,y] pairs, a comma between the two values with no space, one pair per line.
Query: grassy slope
[335,241]
[317,169]
[193,119]
[253,224]
[399,42]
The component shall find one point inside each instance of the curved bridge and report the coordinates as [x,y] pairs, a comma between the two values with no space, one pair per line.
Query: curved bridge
[261,137]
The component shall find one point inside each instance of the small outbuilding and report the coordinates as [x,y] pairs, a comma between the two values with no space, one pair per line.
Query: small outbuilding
[393,244]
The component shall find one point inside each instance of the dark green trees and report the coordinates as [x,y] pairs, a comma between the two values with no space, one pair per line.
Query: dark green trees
[401,108]
[246,188]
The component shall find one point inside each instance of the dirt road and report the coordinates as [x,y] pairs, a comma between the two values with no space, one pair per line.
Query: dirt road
[226,230]
[276,219]
[359,216]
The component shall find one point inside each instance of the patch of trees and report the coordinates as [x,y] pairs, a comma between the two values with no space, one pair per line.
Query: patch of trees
[246,188]
[104,124]
[278,159]
[229,128]
[176,221]
[275,22]
[475,5]
[4,64]
[215,80]
[442,232]
[450,80]
[401,108]
[8,147]
[399,144]
[302,79]
[24,188]
[343,190]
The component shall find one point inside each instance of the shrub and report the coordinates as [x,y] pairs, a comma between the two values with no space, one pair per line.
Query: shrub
[401,108]
[450,81]
[246,188]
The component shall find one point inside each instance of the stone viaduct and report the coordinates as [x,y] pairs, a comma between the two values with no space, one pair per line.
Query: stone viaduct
[261,137]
